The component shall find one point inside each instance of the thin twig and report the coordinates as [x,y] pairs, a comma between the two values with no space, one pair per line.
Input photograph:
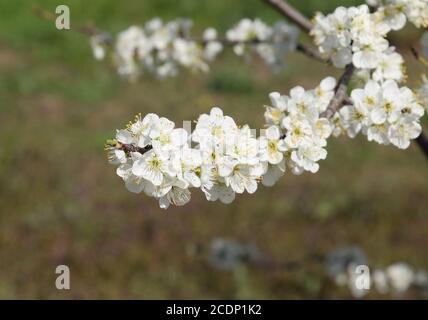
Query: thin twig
[341,94]
[292,13]
[311,53]
[299,19]
[307,51]
[90,31]
[419,57]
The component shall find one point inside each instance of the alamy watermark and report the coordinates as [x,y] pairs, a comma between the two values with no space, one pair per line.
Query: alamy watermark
[62,22]
[362,277]
[62,281]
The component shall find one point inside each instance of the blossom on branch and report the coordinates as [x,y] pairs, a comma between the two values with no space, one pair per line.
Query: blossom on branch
[396,12]
[162,48]
[158,159]
[223,158]
[386,113]
[351,35]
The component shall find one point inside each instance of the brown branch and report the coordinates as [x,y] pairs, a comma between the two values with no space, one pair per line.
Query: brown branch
[288,11]
[341,94]
[128,148]
[418,57]
[291,13]
[299,19]
[311,53]
[307,51]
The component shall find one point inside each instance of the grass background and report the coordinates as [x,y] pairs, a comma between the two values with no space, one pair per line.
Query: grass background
[61,202]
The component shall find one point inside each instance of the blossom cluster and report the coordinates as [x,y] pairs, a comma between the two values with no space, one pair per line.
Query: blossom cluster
[224,159]
[158,159]
[355,35]
[271,43]
[379,108]
[296,119]
[162,48]
[351,35]
[396,12]
[386,113]
[344,267]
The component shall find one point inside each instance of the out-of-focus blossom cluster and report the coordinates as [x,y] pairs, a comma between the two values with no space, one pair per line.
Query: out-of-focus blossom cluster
[385,113]
[345,267]
[271,43]
[228,255]
[162,48]
[156,158]
[396,279]
[396,12]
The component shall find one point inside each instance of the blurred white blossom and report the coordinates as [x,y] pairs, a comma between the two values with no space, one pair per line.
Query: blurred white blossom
[162,48]
[400,276]
[271,43]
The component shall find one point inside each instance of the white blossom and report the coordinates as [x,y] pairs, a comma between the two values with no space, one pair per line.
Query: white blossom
[396,12]
[390,66]
[98,45]
[273,146]
[304,132]
[384,112]
[156,158]
[354,35]
[400,276]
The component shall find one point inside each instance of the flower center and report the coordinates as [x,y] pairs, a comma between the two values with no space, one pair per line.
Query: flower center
[164,139]
[370,101]
[155,163]
[272,146]
[388,107]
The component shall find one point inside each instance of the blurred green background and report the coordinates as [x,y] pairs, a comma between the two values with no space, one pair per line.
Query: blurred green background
[61,202]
